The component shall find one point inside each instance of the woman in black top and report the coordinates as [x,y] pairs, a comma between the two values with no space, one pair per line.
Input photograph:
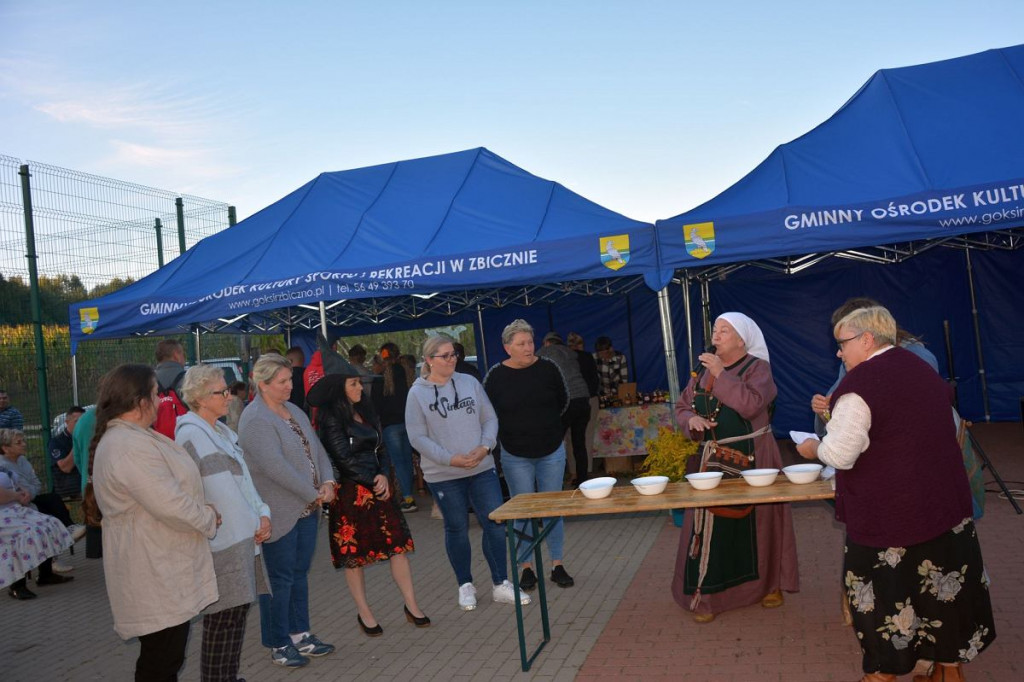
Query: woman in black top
[529,395]
[389,396]
[366,524]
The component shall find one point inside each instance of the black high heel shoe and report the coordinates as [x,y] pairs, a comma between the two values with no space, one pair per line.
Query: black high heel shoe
[423,622]
[375,631]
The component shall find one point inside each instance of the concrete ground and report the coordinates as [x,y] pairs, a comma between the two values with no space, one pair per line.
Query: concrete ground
[618,622]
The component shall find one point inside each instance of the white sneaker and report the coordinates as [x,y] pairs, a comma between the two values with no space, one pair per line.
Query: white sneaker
[77,531]
[506,594]
[467,597]
[58,567]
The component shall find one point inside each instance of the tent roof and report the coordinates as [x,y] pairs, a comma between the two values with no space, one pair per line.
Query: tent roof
[459,221]
[920,152]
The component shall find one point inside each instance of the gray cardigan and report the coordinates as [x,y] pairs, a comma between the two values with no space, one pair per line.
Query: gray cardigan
[278,464]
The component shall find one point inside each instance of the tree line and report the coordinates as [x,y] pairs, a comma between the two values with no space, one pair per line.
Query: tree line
[56,293]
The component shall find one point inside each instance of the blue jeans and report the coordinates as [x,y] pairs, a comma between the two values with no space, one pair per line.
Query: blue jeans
[537,475]
[454,498]
[288,559]
[396,440]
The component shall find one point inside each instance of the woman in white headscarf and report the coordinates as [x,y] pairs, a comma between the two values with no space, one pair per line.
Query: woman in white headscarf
[733,557]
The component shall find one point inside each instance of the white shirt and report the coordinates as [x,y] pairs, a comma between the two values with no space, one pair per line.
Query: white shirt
[846,434]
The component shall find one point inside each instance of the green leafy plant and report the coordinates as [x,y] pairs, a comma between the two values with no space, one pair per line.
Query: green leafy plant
[667,454]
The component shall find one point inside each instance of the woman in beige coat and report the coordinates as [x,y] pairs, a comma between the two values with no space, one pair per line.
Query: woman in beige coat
[156,524]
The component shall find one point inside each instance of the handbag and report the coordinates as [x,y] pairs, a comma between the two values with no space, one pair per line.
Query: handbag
[730,461]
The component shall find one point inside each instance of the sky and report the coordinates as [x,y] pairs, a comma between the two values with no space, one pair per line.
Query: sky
[649,108]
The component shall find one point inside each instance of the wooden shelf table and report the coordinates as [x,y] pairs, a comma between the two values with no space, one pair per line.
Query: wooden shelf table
[623,499]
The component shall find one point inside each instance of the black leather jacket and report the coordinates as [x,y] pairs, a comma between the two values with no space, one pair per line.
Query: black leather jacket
[355,448]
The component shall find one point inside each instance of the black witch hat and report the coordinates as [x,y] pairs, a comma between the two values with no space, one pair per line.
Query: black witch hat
[336,370]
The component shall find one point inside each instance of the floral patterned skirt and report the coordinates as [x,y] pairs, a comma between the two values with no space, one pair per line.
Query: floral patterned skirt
[365,530]
[928,601]
[27,539]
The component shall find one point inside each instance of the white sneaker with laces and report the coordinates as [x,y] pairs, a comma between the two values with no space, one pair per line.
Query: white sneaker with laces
[506,594]
[58,567]
[467,597]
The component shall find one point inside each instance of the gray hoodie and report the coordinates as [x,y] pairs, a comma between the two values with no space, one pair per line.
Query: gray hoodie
[440,427]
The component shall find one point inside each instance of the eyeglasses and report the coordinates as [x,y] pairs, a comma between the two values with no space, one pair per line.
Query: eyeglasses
[223,393]
[447,357]
[843,342]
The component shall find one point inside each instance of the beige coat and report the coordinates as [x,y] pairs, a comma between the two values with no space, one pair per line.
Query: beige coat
[156,530]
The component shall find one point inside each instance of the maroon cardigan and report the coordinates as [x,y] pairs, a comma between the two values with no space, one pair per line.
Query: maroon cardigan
[910,485]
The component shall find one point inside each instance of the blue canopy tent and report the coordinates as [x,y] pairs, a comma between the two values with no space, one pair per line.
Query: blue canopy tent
[922,156]
[443,235]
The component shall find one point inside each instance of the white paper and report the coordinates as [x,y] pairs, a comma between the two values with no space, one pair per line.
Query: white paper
[800,436]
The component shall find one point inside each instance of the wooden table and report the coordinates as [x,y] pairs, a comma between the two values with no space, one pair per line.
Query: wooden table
[624,499]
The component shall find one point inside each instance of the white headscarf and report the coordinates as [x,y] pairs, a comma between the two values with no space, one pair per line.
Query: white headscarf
[751,334]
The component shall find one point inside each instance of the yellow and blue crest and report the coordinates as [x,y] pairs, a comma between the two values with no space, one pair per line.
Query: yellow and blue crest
[614,251]
[89,319]
[700,239]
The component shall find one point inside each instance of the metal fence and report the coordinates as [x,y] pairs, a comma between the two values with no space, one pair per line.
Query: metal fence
[89,231]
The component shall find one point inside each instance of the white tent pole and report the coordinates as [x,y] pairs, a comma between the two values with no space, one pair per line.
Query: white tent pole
[323,319]
[74,380]
[481,342]
[668,340]
[199,353]
[977,337]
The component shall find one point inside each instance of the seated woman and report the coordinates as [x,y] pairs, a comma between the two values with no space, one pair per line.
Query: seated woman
[914,576]
[27,539]
[730,558]
[13,448]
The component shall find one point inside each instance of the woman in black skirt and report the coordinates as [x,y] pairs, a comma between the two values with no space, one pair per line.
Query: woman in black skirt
[913,573]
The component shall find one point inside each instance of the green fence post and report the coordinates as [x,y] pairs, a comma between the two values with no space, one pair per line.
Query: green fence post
[179,208]
[232,216]
[37,317]
[159,242]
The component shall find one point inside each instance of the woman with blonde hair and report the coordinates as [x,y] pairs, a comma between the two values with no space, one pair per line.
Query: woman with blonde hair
[454,427]
[914,577]
[245,518]
[293,476]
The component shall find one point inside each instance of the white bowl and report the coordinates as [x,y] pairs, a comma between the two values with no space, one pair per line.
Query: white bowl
[759,477]
[596,488]
[650,485]
[802,473]
[705,480]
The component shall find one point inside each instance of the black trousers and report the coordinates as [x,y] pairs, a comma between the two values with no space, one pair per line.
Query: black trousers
[162,654]
[575,419]
[51,504]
